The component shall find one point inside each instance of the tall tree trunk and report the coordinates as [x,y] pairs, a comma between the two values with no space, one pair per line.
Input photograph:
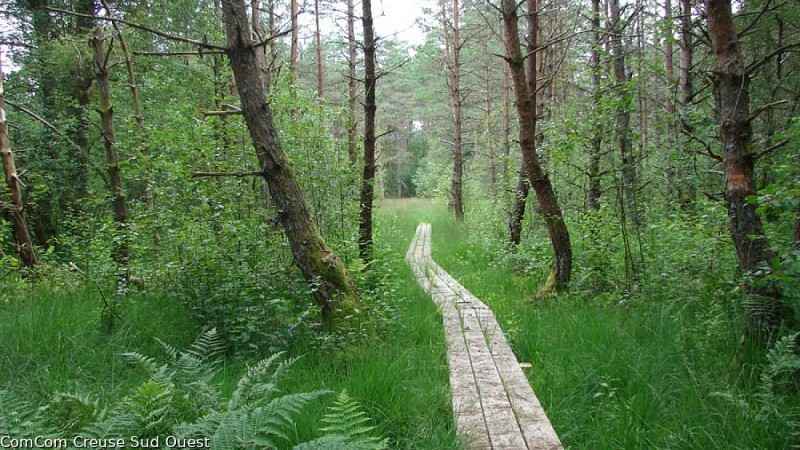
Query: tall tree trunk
[548,203]
[368,179]
[22,238]
[593,171]
[686,51]
[258,35]
[453,65]
[294,52]
[139,117]
[487,83]
[623,116]
[506,128]
[333,289]
[318,38]
[685,92]
[733,102]
[105,108]
[352,83]
[669,64]
[273,45]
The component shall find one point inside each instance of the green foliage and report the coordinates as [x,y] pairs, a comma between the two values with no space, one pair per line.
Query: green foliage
[180,398]
[346,427]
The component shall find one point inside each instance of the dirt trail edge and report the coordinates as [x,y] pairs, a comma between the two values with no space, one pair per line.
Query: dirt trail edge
[494,405]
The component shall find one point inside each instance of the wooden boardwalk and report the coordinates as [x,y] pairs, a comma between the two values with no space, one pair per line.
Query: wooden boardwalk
[494,405]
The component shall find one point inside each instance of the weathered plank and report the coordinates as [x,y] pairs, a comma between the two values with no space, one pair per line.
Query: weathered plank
[494,405]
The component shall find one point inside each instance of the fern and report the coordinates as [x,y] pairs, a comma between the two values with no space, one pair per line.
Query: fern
[21,419]
[152,407]
[76,411]
[255,417]
[250,387]
[346,427]
[180,398]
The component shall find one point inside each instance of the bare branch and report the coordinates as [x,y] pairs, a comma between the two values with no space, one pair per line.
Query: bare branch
[763,108]
[757,64]
[212,52]
[35,116]
[230,112]
[254,173]
[771,149]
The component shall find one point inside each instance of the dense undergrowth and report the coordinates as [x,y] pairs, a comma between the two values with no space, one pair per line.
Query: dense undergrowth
[386,380]
[656,364]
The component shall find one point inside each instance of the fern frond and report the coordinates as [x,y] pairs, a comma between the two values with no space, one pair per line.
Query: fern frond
[115,424]
[75,411]
[20,418]
[251,385]
[347,420]
[151,404]
[146,362]
[208,346]
[275,419]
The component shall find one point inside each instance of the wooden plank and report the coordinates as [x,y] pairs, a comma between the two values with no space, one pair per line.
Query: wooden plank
[494,405]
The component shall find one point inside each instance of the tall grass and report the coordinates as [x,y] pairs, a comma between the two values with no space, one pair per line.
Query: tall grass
[652,370]
[51,341]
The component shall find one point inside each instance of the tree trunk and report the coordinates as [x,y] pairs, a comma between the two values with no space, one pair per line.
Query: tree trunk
[332,288]
[686,94]
[548,203]
[687,41]
[487,80]
[320,73]
[294,52]
[352,83]
[596,140]
[518,211]
[623,116]
[105,108]
[506,128]
[452,49]
[669,64]
[368,180]
[733,102]
[16,209]
[258,35]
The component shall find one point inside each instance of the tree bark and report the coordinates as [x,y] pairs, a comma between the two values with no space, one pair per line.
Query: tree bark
[294,49]
[105,108]
[686,52]
[518,211]
[262,52]
[593,172]
[548,203]
[22,239]
[506,128]
[352,83]
[623,116]
[452,49]
[596,140]
[332,288]
[368,179]
[320,73]
[733,103]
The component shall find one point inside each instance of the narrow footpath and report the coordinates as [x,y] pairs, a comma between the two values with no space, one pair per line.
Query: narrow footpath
[494,405]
